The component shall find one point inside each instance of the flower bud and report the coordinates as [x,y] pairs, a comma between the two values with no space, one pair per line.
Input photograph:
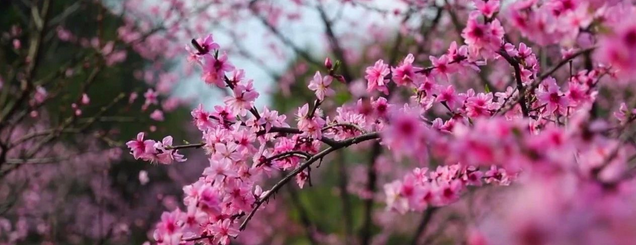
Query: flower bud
[328,63]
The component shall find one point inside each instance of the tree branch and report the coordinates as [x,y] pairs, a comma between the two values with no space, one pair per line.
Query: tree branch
[335,44]
[522,90]
[365,235]
[422,227]
[302,167]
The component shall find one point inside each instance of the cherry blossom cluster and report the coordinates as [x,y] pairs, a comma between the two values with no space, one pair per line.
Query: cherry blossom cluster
[239,152]
[541,132]
[422,189]
[152,151]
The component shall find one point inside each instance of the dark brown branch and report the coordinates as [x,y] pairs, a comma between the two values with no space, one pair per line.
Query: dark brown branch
[522,90]
[344,125]
[288,154]
[177,147]
[344,196]
[365,235]
[283,130]
[421,228]
[302,167]
[302,212]
[35,49]
[335,44]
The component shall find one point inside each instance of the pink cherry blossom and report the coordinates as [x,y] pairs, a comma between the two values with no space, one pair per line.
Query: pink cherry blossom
[552,97]
[406,73]
[376,77]
[214,69]
[141,148]
[320,85]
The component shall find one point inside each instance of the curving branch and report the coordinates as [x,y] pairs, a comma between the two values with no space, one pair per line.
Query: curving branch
[421,228]
[522,90]
[302,167]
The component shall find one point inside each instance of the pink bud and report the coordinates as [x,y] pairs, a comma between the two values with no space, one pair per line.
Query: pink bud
[85,99]
[78,112]
[132,98]
[69,72]
[340,78]
[143,177]
[157,115]
[328,63]
[16,44]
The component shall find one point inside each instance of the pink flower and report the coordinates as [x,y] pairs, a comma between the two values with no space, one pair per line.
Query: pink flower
[550,96]
[157,115]
[133,97]
[487,7]
[270,118]
[209,199]
[311,125]
[406,73]
[218,170]
[224,115]
[151,98]
[301,178]
[141,148]
[449,97]
[486,36]
[40,95]
[394,199]
[457,54]
[616,49]
[442,67]
[320,85]
[448,192]
[170,223]
[405,132]
[479,105]
[143,177]
[380,107]
[226,153]
[194,219]
[245,140]
[17,44]
[223,230]
[202,118]
[214,69]
[244,97]
[167,156]
[64,34]
[376,77]
[207,44]
[192,57]
[623,113]
[85,99]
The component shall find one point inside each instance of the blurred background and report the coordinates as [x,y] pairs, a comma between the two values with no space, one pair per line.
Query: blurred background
[79,78]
